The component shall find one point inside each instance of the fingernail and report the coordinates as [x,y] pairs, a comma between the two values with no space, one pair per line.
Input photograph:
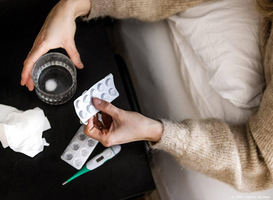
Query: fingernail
[97,101]
[22,82]
[81,65]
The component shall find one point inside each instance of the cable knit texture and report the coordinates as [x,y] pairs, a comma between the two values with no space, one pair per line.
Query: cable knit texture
[241,155]
[148,10]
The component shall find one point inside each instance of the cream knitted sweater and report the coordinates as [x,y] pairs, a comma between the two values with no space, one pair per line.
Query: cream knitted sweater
[240,155]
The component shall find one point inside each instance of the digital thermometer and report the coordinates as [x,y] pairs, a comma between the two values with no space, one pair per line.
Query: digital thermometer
[97,161]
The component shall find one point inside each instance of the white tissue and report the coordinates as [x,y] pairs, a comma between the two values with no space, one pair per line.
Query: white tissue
[22,130]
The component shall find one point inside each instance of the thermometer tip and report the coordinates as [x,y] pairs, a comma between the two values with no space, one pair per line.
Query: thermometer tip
[64,183]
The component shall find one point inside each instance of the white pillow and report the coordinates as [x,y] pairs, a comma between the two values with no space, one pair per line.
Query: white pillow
[218,46]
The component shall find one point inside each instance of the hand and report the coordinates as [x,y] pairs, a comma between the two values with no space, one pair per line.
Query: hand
[58,31]
[120,126]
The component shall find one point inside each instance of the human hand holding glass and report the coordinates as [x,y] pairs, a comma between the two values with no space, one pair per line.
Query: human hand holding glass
[58,31]
[120,126]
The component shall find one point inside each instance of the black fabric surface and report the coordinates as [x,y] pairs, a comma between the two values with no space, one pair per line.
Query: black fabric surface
[41,177]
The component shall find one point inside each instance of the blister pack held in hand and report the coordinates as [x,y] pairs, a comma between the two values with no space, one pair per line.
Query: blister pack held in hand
[104,89]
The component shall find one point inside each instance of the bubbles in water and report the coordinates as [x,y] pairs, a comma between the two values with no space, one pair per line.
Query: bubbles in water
[55,79]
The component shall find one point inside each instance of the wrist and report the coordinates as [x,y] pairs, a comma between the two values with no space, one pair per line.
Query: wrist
[155,131]
[79,8]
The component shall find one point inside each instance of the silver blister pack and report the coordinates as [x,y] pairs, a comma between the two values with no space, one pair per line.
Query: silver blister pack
[79,149]
[104,89]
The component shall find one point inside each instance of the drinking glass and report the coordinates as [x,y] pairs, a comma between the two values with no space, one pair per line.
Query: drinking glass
[55,78]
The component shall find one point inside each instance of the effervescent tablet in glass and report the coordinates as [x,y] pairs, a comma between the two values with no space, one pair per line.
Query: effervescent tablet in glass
[55,78]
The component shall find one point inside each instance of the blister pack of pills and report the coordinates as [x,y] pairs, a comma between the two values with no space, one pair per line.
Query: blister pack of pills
[79,149]
[104,89]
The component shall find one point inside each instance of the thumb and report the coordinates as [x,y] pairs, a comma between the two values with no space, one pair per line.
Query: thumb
[106,107]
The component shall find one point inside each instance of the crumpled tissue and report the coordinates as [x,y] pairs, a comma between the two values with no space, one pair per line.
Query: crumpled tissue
[22,130]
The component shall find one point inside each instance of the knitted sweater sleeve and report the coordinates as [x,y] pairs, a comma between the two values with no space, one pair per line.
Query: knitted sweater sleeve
[239,155]
[146,10]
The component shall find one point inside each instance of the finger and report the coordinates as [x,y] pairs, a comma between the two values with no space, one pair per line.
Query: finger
[93,122]
[98,133]
[97,122]
[90,125]
[32,57]
[106,107]
[93,130]
[74,54]
[94,133]
[30,84]
[107,120]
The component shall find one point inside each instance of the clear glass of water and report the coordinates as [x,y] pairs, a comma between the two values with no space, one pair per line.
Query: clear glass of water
[55,78]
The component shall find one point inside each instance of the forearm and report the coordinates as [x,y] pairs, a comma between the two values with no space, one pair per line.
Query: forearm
[213,148]
[229,154]
[147,10]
